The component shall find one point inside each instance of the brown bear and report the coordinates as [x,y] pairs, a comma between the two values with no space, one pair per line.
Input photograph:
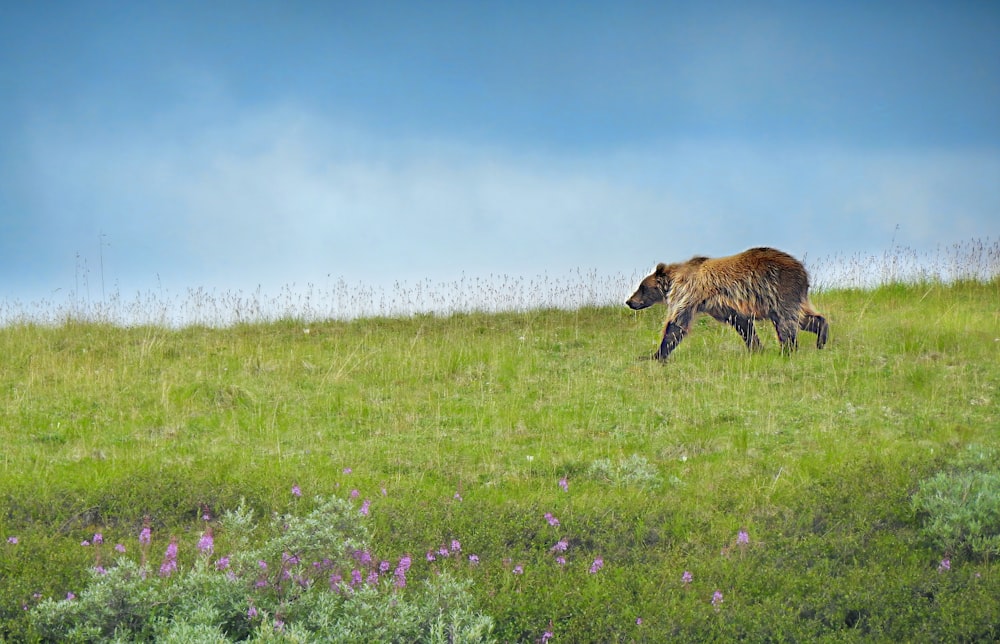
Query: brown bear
[757,284]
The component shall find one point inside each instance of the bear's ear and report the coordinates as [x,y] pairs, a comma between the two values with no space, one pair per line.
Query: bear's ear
[661,269]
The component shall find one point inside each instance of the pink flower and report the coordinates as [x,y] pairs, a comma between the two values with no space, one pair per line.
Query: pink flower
[564,484]
[551,519]
[473,559]
[365,508]
[561,561]
[296,490]
[686,578]
[206,544]
[98,539]
[456,546]
[717,599]
[518,569]
[560,546]
[145,536]
[12,541]
[945,565]
[347,470]
[597,565]
[120,547]
[169,564]
[430,556]
[742,538]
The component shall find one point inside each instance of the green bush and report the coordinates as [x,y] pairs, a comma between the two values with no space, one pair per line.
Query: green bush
[300,579]
[961,508]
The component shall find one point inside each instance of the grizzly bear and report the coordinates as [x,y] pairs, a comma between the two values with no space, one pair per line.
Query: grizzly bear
[757,284]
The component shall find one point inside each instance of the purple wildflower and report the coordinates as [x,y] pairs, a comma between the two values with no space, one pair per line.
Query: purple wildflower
[84,543]
[717,599]
[347,470]
[251,612]
[145,536]
[560,546]
[945,565]
[430,556]
[687,577]
[473,559]
[638,621]
[597,565]
[561,561]
[443,551]
[169,564]
[546,636]
[98,539]
[100,570]
[222,563]
[70,596]
[743,538]
[120,547]
[207,543]
[456,545]
[296,490]
[384,567]
[551,519]
[518,569]
[12,541]
[355,577]
[262,564]
[564,484]
[355,494]
[458,496]
[365,508]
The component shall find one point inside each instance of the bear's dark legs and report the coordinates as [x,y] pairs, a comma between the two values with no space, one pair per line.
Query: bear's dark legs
[742,323]
[744,326]
[787,330]
[816,324]
[673,333]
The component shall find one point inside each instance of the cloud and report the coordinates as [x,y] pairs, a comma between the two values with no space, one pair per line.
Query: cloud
[283,195]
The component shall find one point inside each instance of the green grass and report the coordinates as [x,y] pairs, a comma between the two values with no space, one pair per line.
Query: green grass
[816,456]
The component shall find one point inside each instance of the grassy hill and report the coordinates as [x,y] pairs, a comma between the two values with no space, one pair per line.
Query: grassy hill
[846,494]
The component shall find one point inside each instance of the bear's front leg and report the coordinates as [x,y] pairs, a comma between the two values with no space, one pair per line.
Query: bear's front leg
[673,333]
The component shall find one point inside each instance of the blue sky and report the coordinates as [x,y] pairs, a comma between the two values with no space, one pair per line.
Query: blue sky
[234,144]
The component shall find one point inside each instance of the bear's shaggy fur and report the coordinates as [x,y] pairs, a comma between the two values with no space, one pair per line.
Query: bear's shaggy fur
[757,284]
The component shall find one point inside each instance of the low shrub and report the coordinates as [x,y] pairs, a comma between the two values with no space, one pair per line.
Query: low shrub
[298,579]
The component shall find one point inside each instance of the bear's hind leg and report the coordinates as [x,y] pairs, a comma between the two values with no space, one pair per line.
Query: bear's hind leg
[787,334]
[817,324]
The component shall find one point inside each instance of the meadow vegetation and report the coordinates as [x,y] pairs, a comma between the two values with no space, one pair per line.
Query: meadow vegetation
[535,479]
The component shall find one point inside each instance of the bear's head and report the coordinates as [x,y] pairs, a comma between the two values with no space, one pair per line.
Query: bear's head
[654,288]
